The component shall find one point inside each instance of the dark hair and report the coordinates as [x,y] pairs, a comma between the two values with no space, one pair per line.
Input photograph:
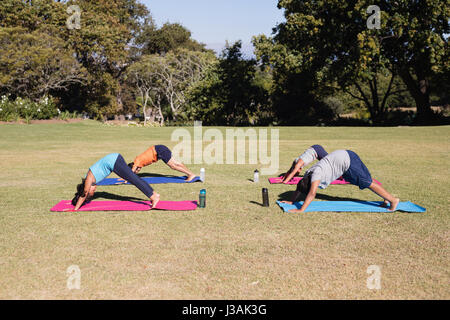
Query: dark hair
[305,184]
[131,164]
[80,192]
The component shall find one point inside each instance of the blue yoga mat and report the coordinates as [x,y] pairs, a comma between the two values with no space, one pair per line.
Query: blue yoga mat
[350,206]
[149,180]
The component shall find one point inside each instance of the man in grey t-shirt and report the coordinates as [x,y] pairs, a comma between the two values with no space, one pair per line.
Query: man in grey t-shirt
[330,168]
[343,163]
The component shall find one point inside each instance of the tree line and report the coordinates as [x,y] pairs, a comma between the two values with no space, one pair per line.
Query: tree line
[321,62]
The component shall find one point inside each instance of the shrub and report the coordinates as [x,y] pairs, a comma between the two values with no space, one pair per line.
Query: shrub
[335,105]
[27,109]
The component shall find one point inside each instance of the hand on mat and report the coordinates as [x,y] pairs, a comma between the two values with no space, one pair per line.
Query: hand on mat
[121,181]
[154,199]
[286,181]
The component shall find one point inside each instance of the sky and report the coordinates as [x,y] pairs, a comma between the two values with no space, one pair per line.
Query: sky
[214,22]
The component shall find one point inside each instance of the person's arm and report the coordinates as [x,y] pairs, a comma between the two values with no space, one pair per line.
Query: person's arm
[136,169]
[309,198]
[87,186]
[293,171]
[285,174]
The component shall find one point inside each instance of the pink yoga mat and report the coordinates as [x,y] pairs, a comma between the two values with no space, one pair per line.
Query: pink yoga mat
[66,205]
[295,180]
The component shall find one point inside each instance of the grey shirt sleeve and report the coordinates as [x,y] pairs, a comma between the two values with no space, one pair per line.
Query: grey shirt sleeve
[308,156]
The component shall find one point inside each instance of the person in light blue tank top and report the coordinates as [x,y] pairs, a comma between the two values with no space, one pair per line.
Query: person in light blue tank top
[103,167]
[113,162]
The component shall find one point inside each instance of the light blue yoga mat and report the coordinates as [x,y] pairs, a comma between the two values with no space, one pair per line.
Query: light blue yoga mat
[350,206]
[149,180]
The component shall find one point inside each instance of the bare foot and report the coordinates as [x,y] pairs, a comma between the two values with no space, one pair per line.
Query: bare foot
[154,199]
[394,204]
[190,177]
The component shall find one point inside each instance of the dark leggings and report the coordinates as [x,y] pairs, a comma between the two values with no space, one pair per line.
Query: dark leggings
[125,172]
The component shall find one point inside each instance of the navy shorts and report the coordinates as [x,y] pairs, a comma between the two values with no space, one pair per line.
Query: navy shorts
[321,153]
[357,174]
[163,153]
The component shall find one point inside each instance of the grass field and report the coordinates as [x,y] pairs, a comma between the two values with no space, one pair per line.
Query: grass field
[234,248]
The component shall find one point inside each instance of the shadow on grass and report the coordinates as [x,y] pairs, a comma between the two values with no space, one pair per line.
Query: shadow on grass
[156,175]
[259,204]
[288,196]
[112,196]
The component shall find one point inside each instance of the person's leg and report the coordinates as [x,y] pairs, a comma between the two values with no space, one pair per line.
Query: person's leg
[359,175]
[175,165]
[165,155]
[379,190]
[125,172]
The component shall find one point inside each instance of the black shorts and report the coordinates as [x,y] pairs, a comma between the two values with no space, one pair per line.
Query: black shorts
[163,153]
[357,174]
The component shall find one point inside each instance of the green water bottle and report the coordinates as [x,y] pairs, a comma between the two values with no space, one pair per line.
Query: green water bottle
[202,199]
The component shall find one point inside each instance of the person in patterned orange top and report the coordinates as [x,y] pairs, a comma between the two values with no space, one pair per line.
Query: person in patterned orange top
[159,152]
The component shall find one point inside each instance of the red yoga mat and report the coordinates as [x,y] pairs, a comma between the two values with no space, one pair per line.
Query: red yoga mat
[296,180]
[66,205]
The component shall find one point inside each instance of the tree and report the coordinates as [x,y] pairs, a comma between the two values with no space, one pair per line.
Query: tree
[298,90]
[103,44]
[168,38]
[34,64]
[142,75]
[416,45]
[375,92]
[229,94]
[330,41]
[180,71]
[165,80]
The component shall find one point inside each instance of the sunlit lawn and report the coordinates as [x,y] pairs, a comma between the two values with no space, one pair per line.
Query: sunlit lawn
[234,248]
